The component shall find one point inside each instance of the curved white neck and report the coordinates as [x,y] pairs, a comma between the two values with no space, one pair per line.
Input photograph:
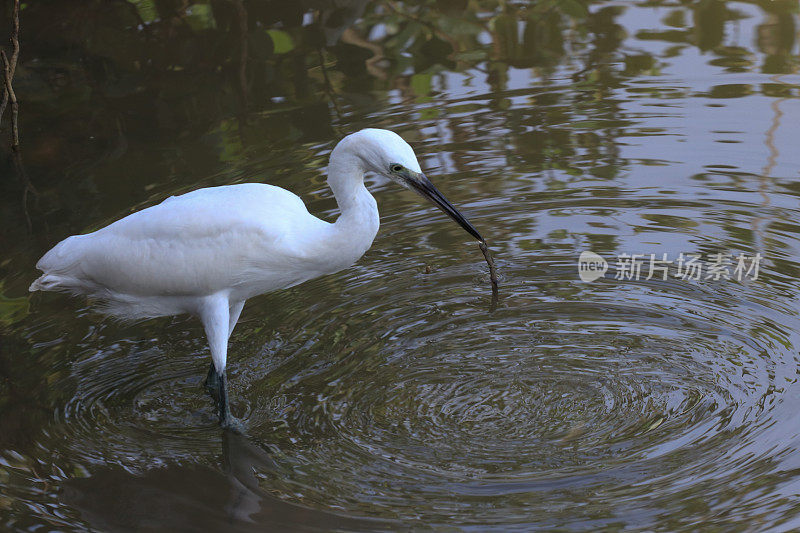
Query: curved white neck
[359,220]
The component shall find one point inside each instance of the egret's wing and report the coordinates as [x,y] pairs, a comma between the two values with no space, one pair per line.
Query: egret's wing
[200,242]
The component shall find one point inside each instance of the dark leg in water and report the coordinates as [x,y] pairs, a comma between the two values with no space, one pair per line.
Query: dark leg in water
[212,382]
[222,402]
[217,386]
[226,420]
[215,312]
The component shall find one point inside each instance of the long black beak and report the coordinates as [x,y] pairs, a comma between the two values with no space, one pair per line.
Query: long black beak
[422,185]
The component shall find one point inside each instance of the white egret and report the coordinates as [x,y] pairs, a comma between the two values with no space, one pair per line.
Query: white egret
[207,251]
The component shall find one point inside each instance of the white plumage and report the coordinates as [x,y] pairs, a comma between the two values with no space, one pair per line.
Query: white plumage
[243,239]
[207,251]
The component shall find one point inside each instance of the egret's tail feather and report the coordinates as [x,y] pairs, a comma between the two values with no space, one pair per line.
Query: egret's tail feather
[47,282]
[37,285]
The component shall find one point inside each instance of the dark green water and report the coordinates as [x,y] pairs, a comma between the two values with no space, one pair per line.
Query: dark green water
[393,394]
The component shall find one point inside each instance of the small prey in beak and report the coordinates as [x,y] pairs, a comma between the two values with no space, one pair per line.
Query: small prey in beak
[419,183]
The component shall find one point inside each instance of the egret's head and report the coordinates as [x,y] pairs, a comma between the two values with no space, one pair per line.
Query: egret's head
[386,153]
[383,152]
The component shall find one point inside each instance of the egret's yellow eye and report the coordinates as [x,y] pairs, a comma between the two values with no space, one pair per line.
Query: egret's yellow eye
[396,168]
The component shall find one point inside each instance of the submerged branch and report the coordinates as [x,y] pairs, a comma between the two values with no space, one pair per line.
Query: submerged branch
[12,64]
[241,17]
[492,269]
[329,90]
[9,67]
[7,75]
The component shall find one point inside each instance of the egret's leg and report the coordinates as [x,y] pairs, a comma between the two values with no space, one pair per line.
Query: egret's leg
[212,382]
[216,316]
[225,418]
[235,309]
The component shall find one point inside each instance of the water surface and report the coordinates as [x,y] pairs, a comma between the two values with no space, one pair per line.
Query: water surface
[395,393]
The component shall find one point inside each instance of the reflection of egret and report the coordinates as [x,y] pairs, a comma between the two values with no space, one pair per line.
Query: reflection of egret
[198,497]
[207,251]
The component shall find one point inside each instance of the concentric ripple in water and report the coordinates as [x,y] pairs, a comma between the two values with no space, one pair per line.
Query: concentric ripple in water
[456,402]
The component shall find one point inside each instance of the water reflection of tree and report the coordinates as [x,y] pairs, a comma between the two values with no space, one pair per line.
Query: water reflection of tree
[103,59]
[160,68]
